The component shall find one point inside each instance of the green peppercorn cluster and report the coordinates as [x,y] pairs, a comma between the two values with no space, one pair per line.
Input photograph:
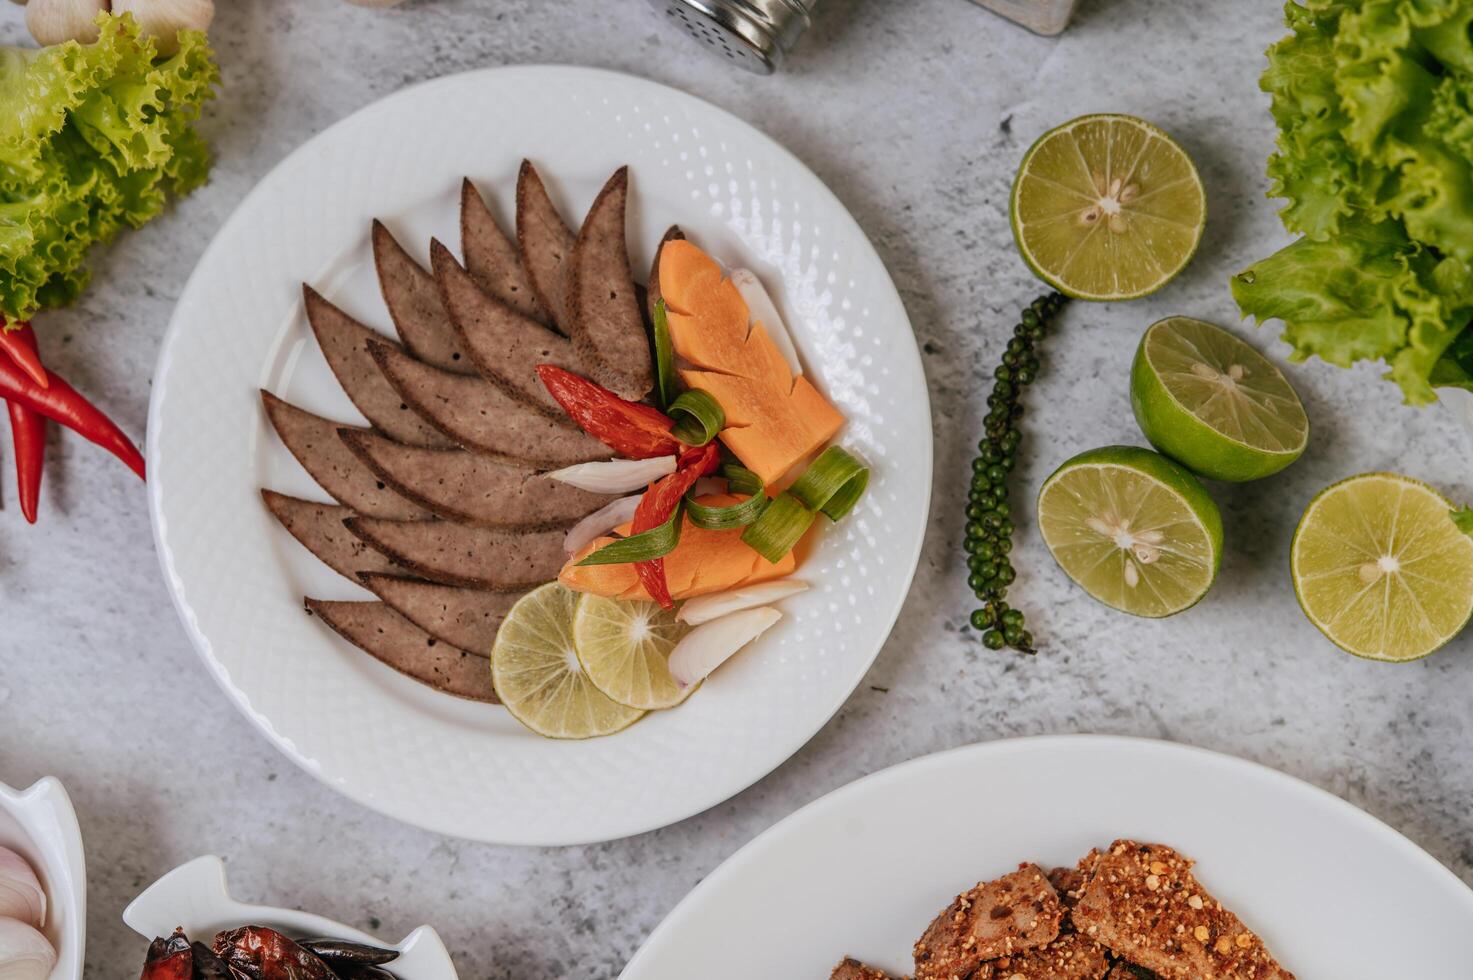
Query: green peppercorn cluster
[989,520]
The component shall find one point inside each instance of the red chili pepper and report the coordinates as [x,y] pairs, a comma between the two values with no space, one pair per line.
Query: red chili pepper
[61,403]
[27,428]
[169,959]
[655,508]
[628,428]
[19,341]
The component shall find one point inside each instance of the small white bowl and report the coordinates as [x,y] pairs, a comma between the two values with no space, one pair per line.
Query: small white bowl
[40,825]
[196,897]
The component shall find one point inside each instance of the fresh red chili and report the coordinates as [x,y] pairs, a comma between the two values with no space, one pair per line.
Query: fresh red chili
[19,341]
[655,508]
[27,427]
[61,403]
[628,428]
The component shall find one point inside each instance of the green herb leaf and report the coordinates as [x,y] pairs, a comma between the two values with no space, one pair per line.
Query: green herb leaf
[654,543]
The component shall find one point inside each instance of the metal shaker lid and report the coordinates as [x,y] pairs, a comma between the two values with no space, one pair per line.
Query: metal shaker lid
[756,34]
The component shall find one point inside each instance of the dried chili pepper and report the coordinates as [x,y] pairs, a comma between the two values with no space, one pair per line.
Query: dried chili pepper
[60,402]
[628,428]
[18,340]
[259,953]
[27,426]
[655,508]
[169,959]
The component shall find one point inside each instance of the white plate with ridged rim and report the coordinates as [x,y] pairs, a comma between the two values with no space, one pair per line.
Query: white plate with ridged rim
[1334,892]
[237,579]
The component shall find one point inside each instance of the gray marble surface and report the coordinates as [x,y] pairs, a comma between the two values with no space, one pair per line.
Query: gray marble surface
[915,112]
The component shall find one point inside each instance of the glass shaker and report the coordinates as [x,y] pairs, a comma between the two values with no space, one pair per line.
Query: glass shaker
[1039,16]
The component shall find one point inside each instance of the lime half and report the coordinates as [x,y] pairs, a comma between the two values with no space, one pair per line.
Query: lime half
[1381,569]
[624,645]
[537,674]
[1213,403]
[1134,529]
[1107,207]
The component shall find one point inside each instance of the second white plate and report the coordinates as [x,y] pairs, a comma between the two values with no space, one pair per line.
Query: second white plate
[238,579]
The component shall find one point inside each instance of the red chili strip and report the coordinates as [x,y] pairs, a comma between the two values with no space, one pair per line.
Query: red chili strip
[628,428]
[655,508]
[19,341]
[61,403]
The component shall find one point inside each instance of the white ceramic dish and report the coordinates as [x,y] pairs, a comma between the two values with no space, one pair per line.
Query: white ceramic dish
[238,579]
[1335,893]
[40,825]
[196,897]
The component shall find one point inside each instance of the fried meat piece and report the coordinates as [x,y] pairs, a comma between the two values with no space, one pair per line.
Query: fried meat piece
[1070,957]
[852,969]
[1143,902]
[1015,913]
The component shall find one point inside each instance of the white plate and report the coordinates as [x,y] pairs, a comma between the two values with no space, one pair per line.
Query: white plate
[40,825]
[1335,893]
[195,897]
[238,579]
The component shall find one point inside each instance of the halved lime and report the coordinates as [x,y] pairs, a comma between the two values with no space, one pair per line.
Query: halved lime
[1381,569]
[1107,207]
[536,672]
[624,645]
[1213,403]
[1135,530]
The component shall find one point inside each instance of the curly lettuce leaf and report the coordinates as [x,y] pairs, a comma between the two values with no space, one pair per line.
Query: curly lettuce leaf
[1369,293]
[93,139]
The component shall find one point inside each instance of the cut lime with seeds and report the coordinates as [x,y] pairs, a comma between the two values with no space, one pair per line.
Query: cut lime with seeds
[1107,207]
[624,645]
[1213,403]
[1381,568]
[1133,529]
[536,672]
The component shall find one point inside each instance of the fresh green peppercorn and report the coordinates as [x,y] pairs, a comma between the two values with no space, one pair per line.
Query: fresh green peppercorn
[993,640]
[979,466]
[1030,317]
[976,583]
[974,512]
[1012,617]
[1005,575]
[1004,546]
[996,474]
[1003,373]
[987,552]
[1003,509]
[1013,634]
[982,619]
[972,544]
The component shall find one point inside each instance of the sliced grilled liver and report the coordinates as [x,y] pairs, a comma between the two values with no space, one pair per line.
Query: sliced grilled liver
[546,242]
[473,557]
[415,306]
[466,618]
[321,530]
[493,258]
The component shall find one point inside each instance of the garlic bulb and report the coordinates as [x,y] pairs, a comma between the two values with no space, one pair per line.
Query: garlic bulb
[164,19]
[57,21]
[21,894]
[24,953]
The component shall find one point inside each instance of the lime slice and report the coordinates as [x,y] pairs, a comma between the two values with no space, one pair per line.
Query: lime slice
[1213,403]
[1107,207]
[624,645]
[1381,569]
[537,674]
[1134,529]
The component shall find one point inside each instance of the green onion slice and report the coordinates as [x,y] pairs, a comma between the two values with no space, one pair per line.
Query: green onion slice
[664,358]
[657,542]
[780,527]
[698,417]
[728,517]
[741,480]
[833,484]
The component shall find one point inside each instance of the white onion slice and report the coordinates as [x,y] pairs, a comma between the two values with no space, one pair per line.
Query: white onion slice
[709,645]
[616,475]
[24,953]
[600,522]
[21,894]
[703,609]
[764,311]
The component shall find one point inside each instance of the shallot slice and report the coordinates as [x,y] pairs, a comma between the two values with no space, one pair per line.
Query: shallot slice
[764,311]
[25,954]
[703,609]
[616,475]
[21,894]
[711,644]
[600,522]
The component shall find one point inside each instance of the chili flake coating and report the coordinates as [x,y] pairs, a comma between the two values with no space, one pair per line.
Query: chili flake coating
[1013,914]
[1070,957]
[1143,902]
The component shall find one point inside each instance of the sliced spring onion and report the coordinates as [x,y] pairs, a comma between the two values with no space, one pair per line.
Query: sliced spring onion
[780,527]
[664,358]
[739,479]
[728,517]
[698,417]
[654,543]
[832,484]
[615,475]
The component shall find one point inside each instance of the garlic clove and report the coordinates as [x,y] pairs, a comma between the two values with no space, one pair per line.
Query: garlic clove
[710,645]
[703,609]
[58,21]
[164,19]
[24,953]
[21,894]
